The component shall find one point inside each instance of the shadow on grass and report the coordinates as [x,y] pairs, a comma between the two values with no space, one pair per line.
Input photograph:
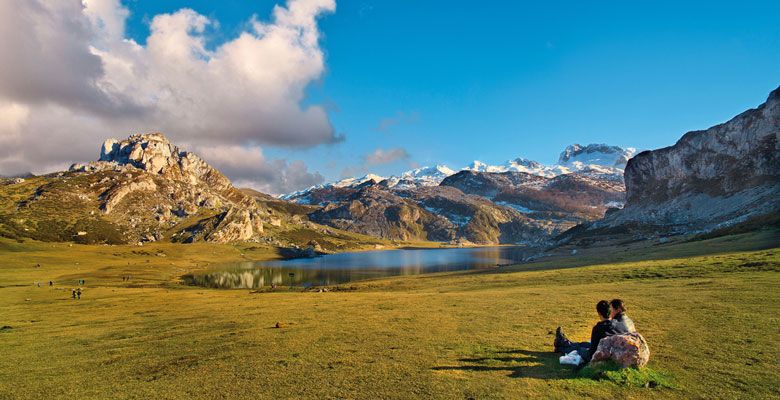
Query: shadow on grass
[546,365]
[518,364]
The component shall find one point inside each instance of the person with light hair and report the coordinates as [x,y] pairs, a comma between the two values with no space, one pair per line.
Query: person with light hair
[622,321]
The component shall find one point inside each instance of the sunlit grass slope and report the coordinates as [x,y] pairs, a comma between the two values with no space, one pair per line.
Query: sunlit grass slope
[709,311]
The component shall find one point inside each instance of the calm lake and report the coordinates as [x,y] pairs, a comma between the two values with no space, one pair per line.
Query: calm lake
[347,267]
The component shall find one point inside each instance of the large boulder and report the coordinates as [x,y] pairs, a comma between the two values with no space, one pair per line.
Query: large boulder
[628,350]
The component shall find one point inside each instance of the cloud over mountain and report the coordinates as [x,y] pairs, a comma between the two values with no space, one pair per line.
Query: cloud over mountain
[71,78]
[382,156]
[248,167]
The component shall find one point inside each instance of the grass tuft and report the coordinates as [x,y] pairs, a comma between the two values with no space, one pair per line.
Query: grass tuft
[609,371]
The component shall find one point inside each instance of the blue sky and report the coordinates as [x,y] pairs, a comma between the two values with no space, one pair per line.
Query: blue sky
[510,78]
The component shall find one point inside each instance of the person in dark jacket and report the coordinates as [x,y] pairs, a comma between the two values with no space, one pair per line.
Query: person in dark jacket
[605,327]
[622,321]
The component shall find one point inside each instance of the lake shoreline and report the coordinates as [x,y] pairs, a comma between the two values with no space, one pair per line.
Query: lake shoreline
[353,266]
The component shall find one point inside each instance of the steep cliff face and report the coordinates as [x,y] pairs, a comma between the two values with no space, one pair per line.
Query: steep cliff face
[708,179]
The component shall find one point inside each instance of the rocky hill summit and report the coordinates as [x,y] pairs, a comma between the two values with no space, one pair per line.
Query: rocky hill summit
[142,189]
[710,179]
[148,170]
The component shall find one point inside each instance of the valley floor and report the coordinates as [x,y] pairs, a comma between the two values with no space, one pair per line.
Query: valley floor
[709,310]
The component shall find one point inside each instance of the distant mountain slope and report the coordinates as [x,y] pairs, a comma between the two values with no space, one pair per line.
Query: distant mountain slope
[600,161]
[469,206]
[437,213]
[709,179]
[376,211]
[320,194]
[576,196]
[522,201]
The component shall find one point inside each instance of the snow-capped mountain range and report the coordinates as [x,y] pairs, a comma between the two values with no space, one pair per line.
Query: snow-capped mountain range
[594,159]
[598,159]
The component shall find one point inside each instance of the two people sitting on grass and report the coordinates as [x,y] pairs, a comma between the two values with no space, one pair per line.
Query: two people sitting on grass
[613,321]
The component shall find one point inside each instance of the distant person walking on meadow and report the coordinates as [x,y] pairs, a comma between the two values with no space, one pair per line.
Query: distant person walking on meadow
[78,293]
[73,292]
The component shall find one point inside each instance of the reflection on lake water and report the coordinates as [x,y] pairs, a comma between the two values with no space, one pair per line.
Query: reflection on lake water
[347,267]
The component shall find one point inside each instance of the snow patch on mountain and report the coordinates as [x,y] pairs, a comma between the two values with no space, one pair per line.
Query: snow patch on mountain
[352,182]
[424,176]
[519,165]
[577,156]
[593,159]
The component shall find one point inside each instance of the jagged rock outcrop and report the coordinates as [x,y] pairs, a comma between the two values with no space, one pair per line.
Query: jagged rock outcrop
[153,153]
[143,188]
[709,179]
[117,193]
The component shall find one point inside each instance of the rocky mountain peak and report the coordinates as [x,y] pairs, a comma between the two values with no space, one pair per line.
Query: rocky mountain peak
[520,161]
[435,170]
[155,154]
[148,151]
[146,171]
[596,154]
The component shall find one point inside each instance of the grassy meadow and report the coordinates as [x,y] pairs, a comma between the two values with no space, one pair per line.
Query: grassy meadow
[710,311]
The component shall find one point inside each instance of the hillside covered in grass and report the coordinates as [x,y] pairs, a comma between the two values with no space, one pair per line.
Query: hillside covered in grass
[707,308]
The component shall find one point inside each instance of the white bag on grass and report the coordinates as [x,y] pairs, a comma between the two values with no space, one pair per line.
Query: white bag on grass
[573,358]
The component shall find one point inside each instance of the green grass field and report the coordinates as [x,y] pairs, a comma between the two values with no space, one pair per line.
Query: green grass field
[710,311]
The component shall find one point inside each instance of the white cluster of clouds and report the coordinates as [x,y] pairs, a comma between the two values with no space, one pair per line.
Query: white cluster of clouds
[248,167]
[70,78]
